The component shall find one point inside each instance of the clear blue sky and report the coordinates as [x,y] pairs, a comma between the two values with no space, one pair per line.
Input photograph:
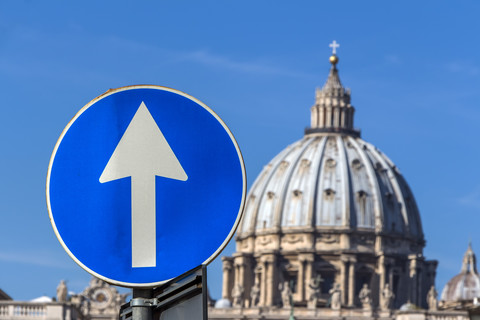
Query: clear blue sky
[413,67]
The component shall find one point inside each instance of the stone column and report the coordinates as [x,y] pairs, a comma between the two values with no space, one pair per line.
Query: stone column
[309,260]
[227,278]
[240,268]
[382,272]
[351,281]
[350,118]
[301,279]
[328,120]
[263,283]
[384,277]
[314,119]
[413,278]
[271,284]
[343,278]
[421,294]
[336,117]
[321,117]
[304,275]
[309,269]
[239,263]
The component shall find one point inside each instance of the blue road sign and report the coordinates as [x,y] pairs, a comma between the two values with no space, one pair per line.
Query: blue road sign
[144,184]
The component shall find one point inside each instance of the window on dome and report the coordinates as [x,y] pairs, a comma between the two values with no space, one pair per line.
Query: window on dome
[356,164]
[329,194]
[364,217]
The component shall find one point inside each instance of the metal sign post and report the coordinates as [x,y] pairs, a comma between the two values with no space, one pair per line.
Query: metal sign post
[182,298]
[142,304]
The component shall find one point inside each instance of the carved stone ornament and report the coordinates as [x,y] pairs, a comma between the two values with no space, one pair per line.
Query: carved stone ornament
[335,297]
[364,240]
[264,240]
[294,238]
[328,238]
[386,298]
[365,297]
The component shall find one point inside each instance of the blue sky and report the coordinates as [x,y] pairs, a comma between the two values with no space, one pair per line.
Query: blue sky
[413,67]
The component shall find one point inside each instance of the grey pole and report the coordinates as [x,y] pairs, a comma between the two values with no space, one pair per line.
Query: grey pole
[142,304]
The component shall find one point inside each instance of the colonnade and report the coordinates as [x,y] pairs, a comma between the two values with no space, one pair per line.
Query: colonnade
[267,271]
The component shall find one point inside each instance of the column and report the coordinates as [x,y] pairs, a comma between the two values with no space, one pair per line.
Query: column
[328,117]
[336,117]
[413,278]
[314,119]
[351,282]
[350,117]
[270,280]
[419,284]
[343,279]
[301,279]
[308,265]
[263,283]
[240,272]
[321,117]
[227,278]
[381,271]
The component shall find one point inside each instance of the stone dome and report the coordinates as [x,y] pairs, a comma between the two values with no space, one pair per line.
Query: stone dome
[329,211]
[223,303]
[331,178]
[331,181]
[466,284]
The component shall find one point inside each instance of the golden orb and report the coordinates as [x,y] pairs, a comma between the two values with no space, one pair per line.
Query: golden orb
[333,59]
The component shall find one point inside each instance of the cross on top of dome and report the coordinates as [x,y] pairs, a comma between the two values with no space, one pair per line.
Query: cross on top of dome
[334,45]
[333,58]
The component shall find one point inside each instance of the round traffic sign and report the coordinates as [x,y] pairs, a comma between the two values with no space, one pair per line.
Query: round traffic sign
[144,184]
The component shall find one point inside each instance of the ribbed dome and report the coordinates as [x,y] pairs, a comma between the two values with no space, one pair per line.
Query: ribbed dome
[466,284]
[332,181]
[332,178]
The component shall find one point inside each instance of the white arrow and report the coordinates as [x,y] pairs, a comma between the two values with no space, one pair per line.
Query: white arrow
[142,154]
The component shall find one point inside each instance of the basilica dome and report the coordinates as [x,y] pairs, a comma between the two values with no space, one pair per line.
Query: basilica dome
[329,212]
[333,179]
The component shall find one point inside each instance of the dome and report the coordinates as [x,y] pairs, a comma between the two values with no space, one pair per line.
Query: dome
[330,211]
[223,303]
[466,284]
[408,307]
[333,179]
[42,299]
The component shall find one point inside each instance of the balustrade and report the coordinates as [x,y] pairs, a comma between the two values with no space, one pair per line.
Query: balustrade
[22,310]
